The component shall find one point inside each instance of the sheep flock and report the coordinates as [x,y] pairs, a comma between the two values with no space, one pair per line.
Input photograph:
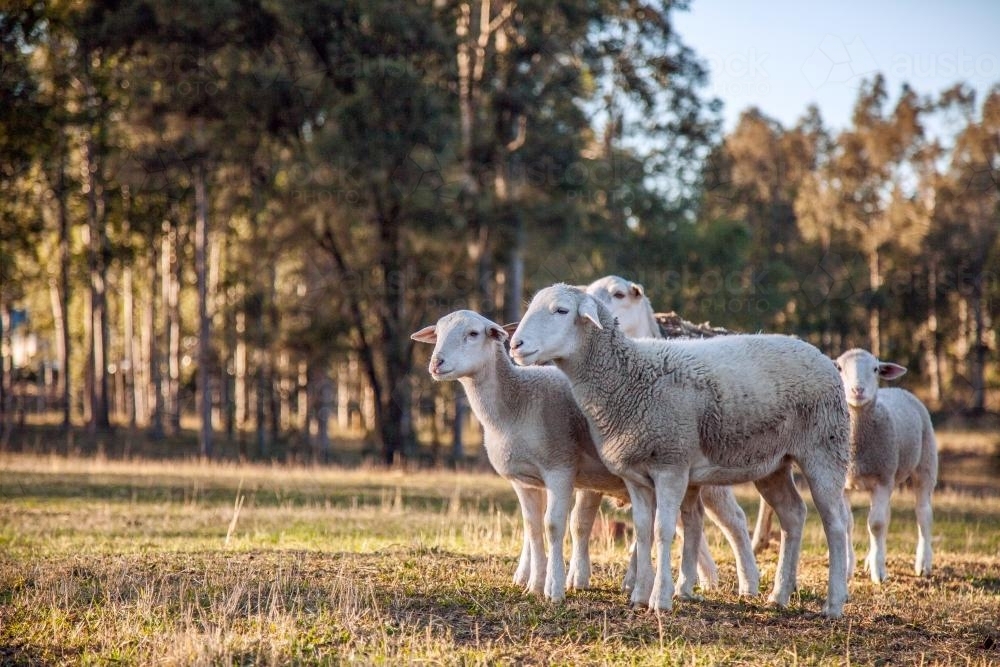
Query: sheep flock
[593,395]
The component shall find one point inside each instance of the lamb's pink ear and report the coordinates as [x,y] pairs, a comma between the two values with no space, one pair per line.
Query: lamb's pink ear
[637,290]
[498,332]
[890,371]
[588,310]
[426,335]
[509,329]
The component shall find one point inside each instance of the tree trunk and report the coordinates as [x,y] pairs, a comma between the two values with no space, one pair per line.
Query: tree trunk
[3,366]
[152,342]
[240,371]
[99,418]
[172,287]
[874,311]
[63,344]
[932,354]
[131,347]
[201,250]
[394,420]
[323,412]
[977,353]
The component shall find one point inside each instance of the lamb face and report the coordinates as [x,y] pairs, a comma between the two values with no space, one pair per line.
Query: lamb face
[464,343]
[628,303]
[548,331]
[861,372]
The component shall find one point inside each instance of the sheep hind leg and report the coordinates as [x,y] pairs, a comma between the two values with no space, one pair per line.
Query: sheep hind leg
[923,490]
[762,529]
[878,527]
[849,516]
[826,482]
[708,572]
[778,489]
[694,543]
[581,525]
[628,582]
[531,570]
[726,513]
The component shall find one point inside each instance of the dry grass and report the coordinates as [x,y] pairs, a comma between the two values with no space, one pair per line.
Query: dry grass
[128,562]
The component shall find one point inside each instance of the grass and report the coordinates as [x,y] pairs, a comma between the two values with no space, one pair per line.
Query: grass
[145,562]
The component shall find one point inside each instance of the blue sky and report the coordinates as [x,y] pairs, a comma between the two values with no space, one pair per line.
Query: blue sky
[780,55]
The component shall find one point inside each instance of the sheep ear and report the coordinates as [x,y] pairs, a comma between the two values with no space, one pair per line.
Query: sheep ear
[890,371]
[637,290]
[588,310]
[498,332]
[426,335]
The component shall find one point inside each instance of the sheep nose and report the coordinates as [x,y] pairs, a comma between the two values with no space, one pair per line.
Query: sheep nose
[436,361]
[858,391]
[516,343]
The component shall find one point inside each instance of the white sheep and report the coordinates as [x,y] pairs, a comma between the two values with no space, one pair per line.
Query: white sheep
[534,436]
[892,441]
[669,416]
[631,308]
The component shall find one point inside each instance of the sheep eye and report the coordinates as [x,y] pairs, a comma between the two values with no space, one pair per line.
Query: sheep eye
[473,334]
[619,295]
[562,311]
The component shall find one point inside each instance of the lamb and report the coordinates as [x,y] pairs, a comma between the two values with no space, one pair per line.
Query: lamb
[892,441]
[535,437]
[669,416]
[631,308]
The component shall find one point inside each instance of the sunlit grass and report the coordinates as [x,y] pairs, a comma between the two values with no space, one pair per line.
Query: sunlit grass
[128,561]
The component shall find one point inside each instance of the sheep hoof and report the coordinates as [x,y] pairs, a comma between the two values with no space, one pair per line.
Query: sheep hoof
[833,612]
[690,597]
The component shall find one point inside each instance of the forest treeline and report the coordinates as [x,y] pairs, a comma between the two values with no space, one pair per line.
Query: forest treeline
[229,215]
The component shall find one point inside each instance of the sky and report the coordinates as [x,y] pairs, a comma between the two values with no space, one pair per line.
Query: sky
[782,55]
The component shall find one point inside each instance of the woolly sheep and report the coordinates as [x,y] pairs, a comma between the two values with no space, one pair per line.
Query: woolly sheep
[631,308]
[669,414]
[892,441]
[535,437]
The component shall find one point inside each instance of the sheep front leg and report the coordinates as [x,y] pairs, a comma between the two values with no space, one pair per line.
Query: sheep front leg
[670,485]
[531,568]
[778,489]
[558,495]
[692,521]
[581,525]
[643,507]
[726,513]
[878,526]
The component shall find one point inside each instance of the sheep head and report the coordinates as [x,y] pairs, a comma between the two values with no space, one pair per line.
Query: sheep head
[464,342]
[627,302]
[552,325]
[861,371]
